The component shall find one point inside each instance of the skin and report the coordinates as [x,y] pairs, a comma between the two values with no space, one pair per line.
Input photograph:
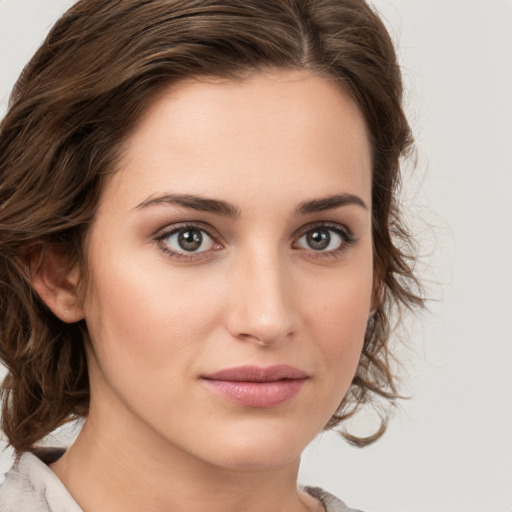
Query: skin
[157,439]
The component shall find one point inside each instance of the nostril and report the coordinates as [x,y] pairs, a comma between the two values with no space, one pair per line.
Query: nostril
[265,338]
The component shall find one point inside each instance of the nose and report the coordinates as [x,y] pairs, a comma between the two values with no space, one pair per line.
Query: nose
[261,307]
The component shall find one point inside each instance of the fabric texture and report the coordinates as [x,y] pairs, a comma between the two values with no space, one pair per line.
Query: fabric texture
[29,485]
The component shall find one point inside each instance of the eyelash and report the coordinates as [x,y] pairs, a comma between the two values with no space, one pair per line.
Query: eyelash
[344,233]
[182,227]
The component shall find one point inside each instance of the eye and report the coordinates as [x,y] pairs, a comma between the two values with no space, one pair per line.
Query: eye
[325,239]
[185,241]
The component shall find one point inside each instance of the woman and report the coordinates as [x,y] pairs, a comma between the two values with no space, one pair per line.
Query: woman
[201,250]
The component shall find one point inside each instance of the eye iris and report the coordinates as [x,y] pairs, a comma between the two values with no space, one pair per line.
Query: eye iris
[318,239]
[190,239]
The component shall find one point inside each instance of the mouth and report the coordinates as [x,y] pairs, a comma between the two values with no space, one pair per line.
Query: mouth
[256,387]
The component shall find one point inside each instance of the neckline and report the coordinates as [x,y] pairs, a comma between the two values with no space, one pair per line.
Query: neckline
[35,466]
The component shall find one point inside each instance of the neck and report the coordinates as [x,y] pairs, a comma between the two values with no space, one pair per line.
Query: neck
[130,471]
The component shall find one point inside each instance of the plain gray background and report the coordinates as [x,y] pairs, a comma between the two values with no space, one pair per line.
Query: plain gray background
[449,448]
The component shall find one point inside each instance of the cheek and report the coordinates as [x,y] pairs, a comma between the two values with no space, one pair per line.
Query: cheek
[146,316]
[338,317]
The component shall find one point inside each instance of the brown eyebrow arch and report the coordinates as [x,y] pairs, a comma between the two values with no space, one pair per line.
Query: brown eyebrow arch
[194,202]
[329,203]
[226,209]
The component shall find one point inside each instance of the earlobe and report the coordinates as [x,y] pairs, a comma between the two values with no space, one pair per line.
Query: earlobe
[56,281]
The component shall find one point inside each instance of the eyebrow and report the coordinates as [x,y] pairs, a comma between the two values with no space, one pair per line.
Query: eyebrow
[226,209]
[329,203]
[194,202]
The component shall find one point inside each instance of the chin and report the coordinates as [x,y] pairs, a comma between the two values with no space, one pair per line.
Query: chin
[263,448]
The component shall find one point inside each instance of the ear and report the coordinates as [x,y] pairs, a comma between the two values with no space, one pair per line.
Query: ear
[56,280]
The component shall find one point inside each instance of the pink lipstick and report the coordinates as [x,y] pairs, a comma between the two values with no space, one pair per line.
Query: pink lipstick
[257,387]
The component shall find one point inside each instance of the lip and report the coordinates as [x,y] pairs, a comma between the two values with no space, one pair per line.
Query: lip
[257,387]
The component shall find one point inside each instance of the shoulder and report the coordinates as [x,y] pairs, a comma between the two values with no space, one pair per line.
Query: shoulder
[28,484]
[329,501]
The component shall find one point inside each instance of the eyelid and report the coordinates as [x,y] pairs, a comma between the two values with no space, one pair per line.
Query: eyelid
[339,228]
[171,229]
[346,234]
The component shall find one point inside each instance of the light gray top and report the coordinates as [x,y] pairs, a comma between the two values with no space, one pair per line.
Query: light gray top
[29,485]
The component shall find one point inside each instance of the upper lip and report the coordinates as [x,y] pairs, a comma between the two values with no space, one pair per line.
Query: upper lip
[257,374]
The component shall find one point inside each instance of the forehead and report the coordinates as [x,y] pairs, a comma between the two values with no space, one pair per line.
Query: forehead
[286,127]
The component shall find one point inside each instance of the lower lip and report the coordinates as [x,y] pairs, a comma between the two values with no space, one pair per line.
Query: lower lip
[257,394]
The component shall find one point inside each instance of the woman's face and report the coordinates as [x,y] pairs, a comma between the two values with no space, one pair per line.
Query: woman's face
[231,270]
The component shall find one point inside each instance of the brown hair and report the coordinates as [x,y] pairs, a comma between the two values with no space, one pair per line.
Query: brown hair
[74,104]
